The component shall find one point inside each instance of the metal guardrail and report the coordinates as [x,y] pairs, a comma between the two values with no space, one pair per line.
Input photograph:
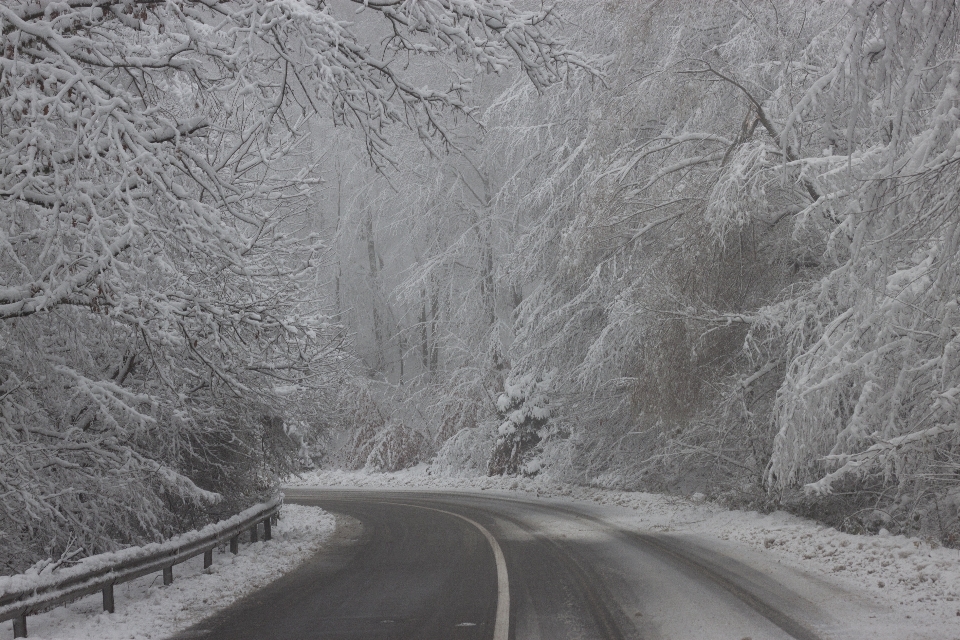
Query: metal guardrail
[17,605]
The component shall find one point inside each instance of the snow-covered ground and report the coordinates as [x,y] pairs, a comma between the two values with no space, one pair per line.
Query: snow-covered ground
[145,609]
[912,585]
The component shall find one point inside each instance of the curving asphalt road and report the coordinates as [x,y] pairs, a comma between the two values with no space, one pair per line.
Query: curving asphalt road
[430,565]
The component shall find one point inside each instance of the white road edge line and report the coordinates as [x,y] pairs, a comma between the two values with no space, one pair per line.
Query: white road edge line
[501,628]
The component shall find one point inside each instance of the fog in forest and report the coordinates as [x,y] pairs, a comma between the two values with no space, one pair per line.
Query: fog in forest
[653,245]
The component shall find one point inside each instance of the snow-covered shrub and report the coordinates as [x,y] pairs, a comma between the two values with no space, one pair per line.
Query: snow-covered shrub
[364,418]
[380,441]
[458,414]
[309,441]
[99,455]
[466,453]
[397,447]
[554,457]
[524,410]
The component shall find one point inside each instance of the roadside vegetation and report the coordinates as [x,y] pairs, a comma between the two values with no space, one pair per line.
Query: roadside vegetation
[696,248]
[734,257]
[168,350]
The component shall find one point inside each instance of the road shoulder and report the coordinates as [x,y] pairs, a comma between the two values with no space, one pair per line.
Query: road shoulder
[148,610]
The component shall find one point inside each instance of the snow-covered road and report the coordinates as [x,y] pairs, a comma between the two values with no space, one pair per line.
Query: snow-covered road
[837,585]
[573,575]
[425,568]
[580,563]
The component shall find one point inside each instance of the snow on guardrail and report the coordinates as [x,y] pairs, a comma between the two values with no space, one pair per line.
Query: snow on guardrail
[31,593]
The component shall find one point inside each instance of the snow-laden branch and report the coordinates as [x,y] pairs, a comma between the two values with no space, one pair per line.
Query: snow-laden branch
[159,174]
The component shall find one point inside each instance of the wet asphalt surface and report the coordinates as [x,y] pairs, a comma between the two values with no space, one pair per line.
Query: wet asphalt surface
[401,565]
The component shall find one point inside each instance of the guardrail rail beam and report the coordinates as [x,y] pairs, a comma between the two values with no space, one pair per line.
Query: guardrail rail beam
[58,590]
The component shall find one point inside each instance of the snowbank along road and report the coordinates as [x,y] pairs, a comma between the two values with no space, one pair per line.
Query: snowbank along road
[433,565]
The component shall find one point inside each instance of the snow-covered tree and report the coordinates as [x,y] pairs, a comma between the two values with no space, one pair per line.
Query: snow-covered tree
[524,411]
[157,270]
[755,246]
[871,375]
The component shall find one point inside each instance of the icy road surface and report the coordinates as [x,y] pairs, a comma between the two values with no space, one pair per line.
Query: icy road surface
[421,565]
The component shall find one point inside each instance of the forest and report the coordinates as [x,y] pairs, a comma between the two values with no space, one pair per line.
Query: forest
[641,244]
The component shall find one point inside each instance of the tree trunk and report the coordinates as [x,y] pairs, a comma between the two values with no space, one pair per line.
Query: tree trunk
[374,260]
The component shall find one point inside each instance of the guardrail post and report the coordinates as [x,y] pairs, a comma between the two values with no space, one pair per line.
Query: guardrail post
[105,578]
[20,627]
[108,598]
